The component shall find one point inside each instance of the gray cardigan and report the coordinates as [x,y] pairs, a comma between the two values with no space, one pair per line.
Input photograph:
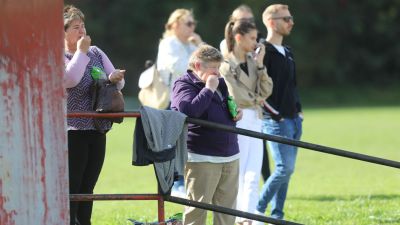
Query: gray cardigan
[165,132]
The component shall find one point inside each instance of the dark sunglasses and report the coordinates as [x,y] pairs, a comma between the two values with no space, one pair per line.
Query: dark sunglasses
[191,23]
[287,19]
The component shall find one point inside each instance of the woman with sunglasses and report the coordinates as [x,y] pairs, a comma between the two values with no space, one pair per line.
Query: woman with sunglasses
[249,84]
[178,43]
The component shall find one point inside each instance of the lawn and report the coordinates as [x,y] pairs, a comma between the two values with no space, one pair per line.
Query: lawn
[324,189]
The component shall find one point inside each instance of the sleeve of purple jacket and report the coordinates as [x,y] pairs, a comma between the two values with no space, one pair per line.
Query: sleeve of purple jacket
[189,100]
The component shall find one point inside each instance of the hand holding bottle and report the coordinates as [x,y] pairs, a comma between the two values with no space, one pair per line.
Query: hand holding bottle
[239,115]
[235,112]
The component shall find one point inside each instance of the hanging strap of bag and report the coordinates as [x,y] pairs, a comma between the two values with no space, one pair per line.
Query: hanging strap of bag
[105,95]
[169,74]
[154,92]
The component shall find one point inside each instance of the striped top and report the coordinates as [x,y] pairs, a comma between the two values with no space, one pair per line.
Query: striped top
[79,97]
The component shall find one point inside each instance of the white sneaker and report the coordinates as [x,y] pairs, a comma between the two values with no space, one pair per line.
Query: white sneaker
[180,193]
[255,222]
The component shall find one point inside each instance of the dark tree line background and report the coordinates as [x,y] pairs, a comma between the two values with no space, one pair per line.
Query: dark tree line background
[335,42]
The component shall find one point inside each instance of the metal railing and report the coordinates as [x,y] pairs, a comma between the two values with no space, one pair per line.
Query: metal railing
[112,197]
[160,198]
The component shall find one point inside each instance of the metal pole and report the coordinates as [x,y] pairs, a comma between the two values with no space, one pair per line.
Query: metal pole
[97,197]
[161,210]
[228,211]
[305,145]
[33,140]
[103,115]
[160,205]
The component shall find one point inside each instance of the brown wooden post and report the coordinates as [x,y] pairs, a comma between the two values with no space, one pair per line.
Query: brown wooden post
[33,141]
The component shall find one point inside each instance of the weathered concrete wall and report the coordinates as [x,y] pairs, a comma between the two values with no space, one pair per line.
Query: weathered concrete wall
[33,141]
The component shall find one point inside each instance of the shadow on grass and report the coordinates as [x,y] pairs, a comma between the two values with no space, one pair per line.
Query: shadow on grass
[378,214]
[328,198]
[385,220]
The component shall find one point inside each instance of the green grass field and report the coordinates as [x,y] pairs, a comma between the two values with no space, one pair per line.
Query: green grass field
[325,189]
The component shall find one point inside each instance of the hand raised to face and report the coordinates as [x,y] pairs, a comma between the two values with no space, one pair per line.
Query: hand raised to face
[212,82]
[259,56]
[195,39]
[83,43]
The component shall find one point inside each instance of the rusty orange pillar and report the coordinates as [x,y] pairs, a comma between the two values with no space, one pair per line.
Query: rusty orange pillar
[33,141]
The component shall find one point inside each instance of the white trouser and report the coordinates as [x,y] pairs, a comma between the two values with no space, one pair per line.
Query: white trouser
[251,156]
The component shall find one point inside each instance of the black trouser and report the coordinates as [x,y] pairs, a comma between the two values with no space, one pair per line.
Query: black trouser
[265,170]
[86,150]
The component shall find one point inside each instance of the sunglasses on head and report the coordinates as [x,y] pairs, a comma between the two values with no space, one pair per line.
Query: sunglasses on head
[287,19]
[191,23]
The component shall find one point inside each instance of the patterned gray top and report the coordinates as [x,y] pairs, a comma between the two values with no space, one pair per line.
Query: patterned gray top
[79,98]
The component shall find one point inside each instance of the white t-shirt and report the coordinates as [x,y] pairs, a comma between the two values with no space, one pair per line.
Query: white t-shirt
[280,49]
[193,157]
[223,47]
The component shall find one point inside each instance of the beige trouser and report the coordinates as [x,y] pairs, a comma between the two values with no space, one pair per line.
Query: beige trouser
[215,183]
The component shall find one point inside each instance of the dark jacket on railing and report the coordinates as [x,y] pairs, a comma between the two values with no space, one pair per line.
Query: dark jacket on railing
[160,138]
[191,97]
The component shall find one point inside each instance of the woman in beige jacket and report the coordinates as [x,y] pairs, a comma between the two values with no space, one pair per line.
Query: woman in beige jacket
[249,84]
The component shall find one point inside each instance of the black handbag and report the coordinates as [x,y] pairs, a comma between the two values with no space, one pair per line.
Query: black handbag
[107,98]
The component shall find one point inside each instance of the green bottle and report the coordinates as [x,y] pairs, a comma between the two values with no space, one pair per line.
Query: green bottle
[97,73]
[232,107]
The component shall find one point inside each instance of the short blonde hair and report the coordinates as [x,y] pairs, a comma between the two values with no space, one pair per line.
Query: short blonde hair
[271,11]
[205,54]
[175,16]
[72,13]
[240,9]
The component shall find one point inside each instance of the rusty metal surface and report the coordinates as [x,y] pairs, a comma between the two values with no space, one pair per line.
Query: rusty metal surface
[33,143]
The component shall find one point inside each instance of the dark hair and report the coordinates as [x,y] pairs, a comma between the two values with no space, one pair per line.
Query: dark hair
[233,27]
[70,14]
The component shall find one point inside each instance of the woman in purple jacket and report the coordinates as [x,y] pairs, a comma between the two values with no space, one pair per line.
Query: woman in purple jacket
[211,173]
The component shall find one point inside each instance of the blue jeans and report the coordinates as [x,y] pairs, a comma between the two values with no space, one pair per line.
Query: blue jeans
[275,188]
[178,183]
